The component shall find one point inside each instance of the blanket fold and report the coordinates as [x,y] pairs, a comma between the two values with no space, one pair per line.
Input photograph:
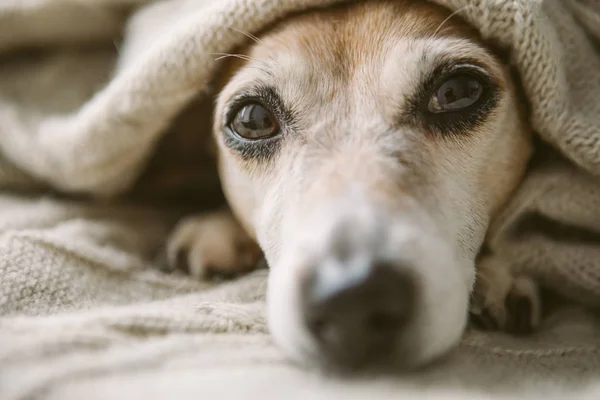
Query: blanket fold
[87,88]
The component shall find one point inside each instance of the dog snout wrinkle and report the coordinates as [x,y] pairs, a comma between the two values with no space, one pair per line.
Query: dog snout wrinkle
[356,310]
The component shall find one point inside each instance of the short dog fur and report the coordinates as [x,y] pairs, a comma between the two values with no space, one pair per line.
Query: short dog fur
[365,149]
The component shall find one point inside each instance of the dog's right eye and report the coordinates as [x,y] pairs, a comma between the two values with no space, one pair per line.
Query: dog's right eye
[254,121]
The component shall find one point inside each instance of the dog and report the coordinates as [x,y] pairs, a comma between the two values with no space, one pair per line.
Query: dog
[364,150]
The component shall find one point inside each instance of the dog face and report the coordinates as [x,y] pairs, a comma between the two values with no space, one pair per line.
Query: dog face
[366,148]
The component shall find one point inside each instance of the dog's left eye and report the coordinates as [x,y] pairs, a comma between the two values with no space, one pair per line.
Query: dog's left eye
[254,121]
[457,93]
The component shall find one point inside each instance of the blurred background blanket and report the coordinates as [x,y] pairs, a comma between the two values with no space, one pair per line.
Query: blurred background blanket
[87,88]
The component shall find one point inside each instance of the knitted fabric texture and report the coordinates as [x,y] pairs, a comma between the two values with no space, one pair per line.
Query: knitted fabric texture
[85,313]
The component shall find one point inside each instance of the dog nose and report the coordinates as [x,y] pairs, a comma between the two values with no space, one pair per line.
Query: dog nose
[356,313]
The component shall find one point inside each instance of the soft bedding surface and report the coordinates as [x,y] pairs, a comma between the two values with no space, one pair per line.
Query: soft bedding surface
[86,313]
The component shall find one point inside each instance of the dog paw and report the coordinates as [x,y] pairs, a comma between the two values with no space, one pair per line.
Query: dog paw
[507,303]
[212,246]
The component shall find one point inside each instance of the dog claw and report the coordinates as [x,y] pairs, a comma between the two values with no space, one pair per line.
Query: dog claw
[515,310]
[484,320]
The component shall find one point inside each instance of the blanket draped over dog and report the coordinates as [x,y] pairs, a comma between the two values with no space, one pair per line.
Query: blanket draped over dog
[85,314]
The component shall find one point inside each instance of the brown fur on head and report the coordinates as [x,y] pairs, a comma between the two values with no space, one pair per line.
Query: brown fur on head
[361,167]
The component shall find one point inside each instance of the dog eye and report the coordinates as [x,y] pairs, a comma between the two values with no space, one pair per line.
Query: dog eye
[254,121]
[456,93]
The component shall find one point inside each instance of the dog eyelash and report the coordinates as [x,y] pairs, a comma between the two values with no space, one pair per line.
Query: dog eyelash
[266,96]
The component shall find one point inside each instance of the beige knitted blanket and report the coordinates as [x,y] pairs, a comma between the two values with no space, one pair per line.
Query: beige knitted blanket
[84,313]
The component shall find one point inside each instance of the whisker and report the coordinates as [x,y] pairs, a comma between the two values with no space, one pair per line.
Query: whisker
[241,57]
[247,34]
[226,55]
[450,17]
[117,46]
